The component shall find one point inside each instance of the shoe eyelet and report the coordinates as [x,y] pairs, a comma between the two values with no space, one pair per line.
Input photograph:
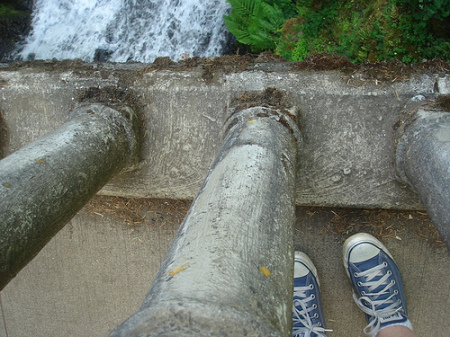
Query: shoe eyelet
[385,264]
[389,272]
[313,296]
[359,284]
[355,274]
[395,292]
[314,306]
[363,293]
[316,315]
[311,286]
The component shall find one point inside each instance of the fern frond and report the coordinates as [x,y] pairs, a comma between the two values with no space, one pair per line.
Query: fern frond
[236,29]
[273,14]
[254,23]
[245,7]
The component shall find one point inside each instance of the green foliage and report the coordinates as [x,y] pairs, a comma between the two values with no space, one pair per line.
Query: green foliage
[317,22]
[318,17]
[407,30]
[255,23]
[426,27]
[301,50]
[287,7]
[371,34]
[8,11]
[361,30]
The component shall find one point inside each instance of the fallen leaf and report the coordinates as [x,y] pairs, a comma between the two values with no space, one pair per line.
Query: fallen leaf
[175,271]
[265,271]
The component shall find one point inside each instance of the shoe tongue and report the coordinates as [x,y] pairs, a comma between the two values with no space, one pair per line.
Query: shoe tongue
[393,318]
[369,263]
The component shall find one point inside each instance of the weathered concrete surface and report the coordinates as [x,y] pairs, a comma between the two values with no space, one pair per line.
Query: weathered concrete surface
[423,162]
[45,183]
[347,122]
[95,272]
[229,271]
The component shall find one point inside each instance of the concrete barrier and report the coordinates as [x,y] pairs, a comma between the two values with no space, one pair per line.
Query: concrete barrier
[44,184]
[234,246]
[423,162]
[229,271]
[348,120]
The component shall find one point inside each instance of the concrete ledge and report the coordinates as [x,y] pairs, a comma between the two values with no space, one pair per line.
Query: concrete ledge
[347,121]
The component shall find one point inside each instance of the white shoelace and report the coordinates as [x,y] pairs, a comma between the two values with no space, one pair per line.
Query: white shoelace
[368,301]
[303,316]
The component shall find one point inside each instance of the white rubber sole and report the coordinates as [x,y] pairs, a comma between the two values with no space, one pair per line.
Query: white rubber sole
[307,261]
[356,239]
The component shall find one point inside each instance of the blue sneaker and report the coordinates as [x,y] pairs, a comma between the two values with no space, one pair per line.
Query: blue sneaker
[377,281]
[308,315]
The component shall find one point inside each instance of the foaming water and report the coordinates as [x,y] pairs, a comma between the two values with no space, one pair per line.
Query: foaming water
[129,30]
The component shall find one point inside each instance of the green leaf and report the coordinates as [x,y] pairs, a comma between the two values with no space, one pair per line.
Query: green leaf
[245,7]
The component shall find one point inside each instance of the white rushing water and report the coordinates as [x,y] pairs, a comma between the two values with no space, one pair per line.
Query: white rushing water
[131,30]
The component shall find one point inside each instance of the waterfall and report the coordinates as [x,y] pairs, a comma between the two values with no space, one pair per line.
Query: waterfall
[126,30]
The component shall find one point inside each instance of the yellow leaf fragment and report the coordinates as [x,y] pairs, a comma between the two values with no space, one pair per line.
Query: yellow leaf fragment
[251,121]
[175,271]
[7,185]
[41,161]
[265,271]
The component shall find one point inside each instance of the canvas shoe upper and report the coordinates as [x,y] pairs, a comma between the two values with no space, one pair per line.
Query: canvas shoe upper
[377,282]
[308,315]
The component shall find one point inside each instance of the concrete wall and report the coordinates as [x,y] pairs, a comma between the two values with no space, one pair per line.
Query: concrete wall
[347,120]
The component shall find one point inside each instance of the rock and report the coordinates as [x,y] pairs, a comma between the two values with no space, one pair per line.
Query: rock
[14,26]
[102,55]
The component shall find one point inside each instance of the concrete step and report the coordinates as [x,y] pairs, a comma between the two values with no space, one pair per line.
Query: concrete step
[96,272]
